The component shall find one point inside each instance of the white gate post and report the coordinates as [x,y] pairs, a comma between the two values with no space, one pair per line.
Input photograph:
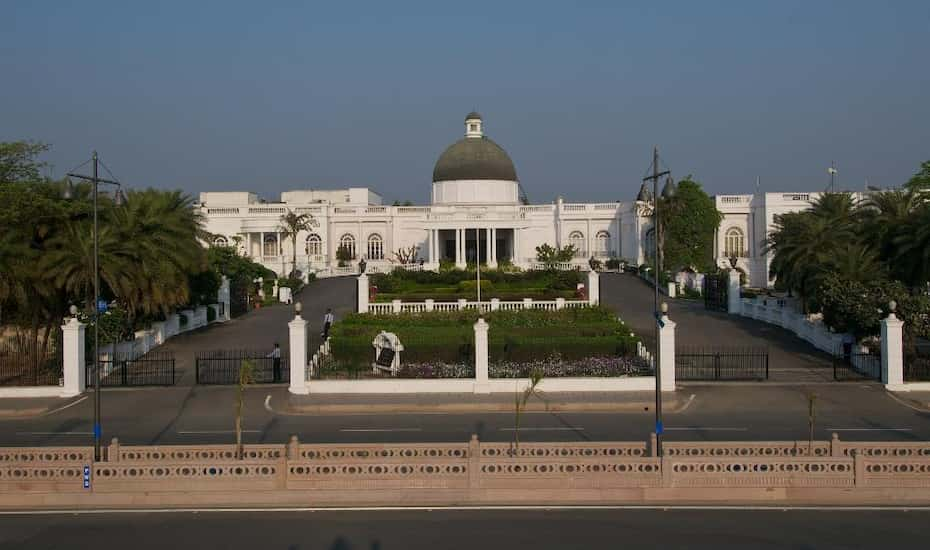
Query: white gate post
[893,350]
[667,350]
[362,294]
[73,366]
[297,334]
[733,293]
[481,357]
[223,298]
[594,288]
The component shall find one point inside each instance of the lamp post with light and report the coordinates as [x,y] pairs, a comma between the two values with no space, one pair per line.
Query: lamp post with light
[119,200]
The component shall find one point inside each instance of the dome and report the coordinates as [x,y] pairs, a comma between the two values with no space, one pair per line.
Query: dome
[472,116]
[474,158]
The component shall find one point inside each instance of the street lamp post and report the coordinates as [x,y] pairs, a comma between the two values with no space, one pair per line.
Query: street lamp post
[118,199]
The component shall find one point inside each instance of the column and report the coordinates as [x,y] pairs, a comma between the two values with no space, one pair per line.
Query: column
[297,334]
[594,288]
[487,246]
[666,364]
[893,350]
[493,261]
[73,358]
[261,246]
[482,384]
[514,256]
[460,248]
[734,300]
[362,300]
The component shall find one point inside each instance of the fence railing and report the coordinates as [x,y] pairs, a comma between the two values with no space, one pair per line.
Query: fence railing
[917,367]
[22,364]
[856,365]
[470,472]
[224,367]
[396,306]
[721,363]
[156,368]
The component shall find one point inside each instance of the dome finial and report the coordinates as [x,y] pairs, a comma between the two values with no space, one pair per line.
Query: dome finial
[473,125]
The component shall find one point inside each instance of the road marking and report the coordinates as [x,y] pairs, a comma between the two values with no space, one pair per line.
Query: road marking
[552,429]
[869,430]
[703,429]
[381,430]
[686,405]
[207,432]
[753,508]
[54,433]
[268,403]
[71,404]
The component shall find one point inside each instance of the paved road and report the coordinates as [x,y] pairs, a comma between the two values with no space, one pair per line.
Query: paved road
[717,412]
[790,358]
[260,329]
[469,529]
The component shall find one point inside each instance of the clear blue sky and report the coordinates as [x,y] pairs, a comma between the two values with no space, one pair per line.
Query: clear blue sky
[283,95]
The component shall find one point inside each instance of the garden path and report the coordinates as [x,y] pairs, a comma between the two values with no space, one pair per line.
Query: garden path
[791,359]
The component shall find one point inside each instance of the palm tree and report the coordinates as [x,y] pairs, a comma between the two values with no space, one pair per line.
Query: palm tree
[292,224]
[912,248]
[885,216]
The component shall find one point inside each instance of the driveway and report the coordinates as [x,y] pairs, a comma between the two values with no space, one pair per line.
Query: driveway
[259,329]
[791,359]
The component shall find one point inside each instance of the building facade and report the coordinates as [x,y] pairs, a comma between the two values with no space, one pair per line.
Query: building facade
[476,213]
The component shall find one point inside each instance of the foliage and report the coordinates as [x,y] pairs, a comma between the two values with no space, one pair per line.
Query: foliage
[920,180]
[549,255]
[556,366]
[292,283]
[343,255]
[520,401]
[612,263]
[456,283]
[405,255]
[18,161]
[246,377]
[689,221]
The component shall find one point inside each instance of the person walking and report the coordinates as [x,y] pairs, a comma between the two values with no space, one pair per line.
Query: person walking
[327,323]
[275,362]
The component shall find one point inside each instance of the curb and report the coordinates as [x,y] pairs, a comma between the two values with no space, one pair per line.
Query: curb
[454,408]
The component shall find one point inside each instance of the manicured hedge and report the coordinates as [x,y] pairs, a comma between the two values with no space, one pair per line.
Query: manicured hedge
[456,283]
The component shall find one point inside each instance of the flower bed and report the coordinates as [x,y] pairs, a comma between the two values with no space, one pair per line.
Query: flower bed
[436,369]
[557,367]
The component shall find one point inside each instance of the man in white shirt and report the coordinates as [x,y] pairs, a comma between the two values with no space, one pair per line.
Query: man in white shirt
[328,320]
[276,362]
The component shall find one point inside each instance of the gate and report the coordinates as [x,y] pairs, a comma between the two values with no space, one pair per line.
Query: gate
[155,368]
[715,291]
[224,366]
[28,361]
[732,363]
[856,366]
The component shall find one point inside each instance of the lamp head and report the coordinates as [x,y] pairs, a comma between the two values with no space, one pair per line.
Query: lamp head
[664,308]
[892,306]
[119,199]
[73,310]
[298,307]
[68,192]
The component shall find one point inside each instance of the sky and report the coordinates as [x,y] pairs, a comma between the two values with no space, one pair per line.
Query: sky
[273,96]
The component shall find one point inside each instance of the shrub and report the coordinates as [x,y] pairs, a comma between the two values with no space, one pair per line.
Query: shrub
[211,314]
[612,263]
[292,283]
[471,286]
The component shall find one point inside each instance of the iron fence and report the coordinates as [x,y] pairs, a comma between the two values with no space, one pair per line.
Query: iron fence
[26,361]
[722,363]
[855,366]
[917,365]
[715,288]
[155,368]
[224,367]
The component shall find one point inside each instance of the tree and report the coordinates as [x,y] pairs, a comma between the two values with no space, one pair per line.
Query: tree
[406,255]
[343,255]
[920,180]
[246,369]
[550,256]
[292,224]
[689,221]
[18,161]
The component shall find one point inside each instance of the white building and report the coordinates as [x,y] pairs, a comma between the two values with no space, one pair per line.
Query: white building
[476,211]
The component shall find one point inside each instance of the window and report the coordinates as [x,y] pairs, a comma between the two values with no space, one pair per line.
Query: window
[348,241]
[473,127]
[602,244]
[734,245]
[220,241]
[271,245]
[576,239]
[314,245]
[375,247]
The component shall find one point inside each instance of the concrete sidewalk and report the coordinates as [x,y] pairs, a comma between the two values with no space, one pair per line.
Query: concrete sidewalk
[35,406]
[469,402]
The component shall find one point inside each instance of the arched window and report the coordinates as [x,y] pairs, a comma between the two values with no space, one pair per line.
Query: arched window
[375,247]
[314,245]
[576,239]
[734,244]
[649,244]
[220,241]
[602,243]
[271,245]
[348,241]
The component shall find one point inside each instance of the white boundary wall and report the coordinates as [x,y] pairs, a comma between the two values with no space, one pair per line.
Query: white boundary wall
[471,385]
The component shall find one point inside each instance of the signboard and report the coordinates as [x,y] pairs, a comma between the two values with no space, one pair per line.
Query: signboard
[101,306]
[385,358]
[87,477]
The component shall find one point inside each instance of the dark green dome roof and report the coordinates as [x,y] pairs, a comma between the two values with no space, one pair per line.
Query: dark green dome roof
[472,115]
[474,158]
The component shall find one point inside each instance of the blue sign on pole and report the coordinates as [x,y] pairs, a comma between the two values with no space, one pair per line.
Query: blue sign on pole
[659,427]
[87,477]
[659,320]
[97,431]
[101,306]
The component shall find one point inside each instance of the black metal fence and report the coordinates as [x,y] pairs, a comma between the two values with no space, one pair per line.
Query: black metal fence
[25,361]
[855,366]
[224,366]
[917,365]
[715,291]
[155,368]
[722,363]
